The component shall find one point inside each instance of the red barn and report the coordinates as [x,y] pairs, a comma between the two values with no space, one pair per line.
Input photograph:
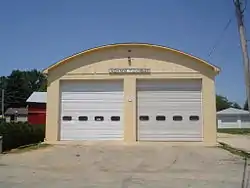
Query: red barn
[37,108]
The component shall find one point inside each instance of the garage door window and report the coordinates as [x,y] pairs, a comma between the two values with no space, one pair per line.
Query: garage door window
[99,118]
[83,118]
[115,118]
[177,118]
[144,118]
[193,118]
[160,118]
[67,118]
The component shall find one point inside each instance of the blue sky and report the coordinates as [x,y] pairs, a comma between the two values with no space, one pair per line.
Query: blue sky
[35,34]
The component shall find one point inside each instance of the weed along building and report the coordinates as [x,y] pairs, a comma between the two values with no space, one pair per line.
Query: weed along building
[131,92]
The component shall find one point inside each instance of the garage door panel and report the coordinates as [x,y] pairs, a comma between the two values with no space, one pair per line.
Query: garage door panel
[170,85]
[92,102]
[173,101]
[171,137]
[169,94]
[87,104]
[169,125]
[168,110]
[169,99]
[99,124]
[170,104]
[91,135]
[169,133]
[92,128]
[92,86]
[81,108]
[91,106]
[91,95]
[92,114]
[170,129]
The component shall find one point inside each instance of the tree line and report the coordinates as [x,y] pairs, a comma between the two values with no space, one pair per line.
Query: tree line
[223,103]
[19,85]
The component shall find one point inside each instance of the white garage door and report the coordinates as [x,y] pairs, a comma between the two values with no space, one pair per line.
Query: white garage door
[169,110]
[92,110]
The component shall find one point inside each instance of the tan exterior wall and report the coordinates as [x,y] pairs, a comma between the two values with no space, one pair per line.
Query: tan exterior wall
[163,64]
[53,110]
[209,111]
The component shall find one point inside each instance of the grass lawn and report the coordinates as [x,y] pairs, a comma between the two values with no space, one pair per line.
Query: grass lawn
[235,131]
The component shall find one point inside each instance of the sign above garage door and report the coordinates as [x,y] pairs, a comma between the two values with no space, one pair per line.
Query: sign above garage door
[129,71]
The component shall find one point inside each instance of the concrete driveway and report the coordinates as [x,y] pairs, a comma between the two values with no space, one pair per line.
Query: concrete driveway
[118,165]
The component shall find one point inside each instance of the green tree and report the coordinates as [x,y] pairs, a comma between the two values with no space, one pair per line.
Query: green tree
[35,80]
[246,105]
[236,105]
[222,103]
[17,90]
[21,84]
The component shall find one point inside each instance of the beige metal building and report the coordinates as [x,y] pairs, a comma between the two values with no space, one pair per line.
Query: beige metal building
[131,92]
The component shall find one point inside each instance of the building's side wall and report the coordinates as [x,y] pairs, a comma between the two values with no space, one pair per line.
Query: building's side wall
[209,110]
[7,118]
[37,114]
[22,118]
[37,118]
[53,110]
[37,107]
[233,121]
[18,119]
[228,121]
[245,125]
[163,65]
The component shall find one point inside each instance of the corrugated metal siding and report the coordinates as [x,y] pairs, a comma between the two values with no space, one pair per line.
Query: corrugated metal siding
[92,99]
[37,107]
[169,99]
[37,118]
[37,114]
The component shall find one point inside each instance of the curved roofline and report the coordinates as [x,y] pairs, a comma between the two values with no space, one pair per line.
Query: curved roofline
[215,68]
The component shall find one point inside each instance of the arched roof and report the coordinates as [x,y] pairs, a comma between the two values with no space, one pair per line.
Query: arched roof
[67,59]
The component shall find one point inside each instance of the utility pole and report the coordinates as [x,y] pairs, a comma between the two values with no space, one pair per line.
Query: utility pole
[2,103]
[243,40]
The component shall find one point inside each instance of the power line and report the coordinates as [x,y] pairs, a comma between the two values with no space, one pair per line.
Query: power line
[218,41]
